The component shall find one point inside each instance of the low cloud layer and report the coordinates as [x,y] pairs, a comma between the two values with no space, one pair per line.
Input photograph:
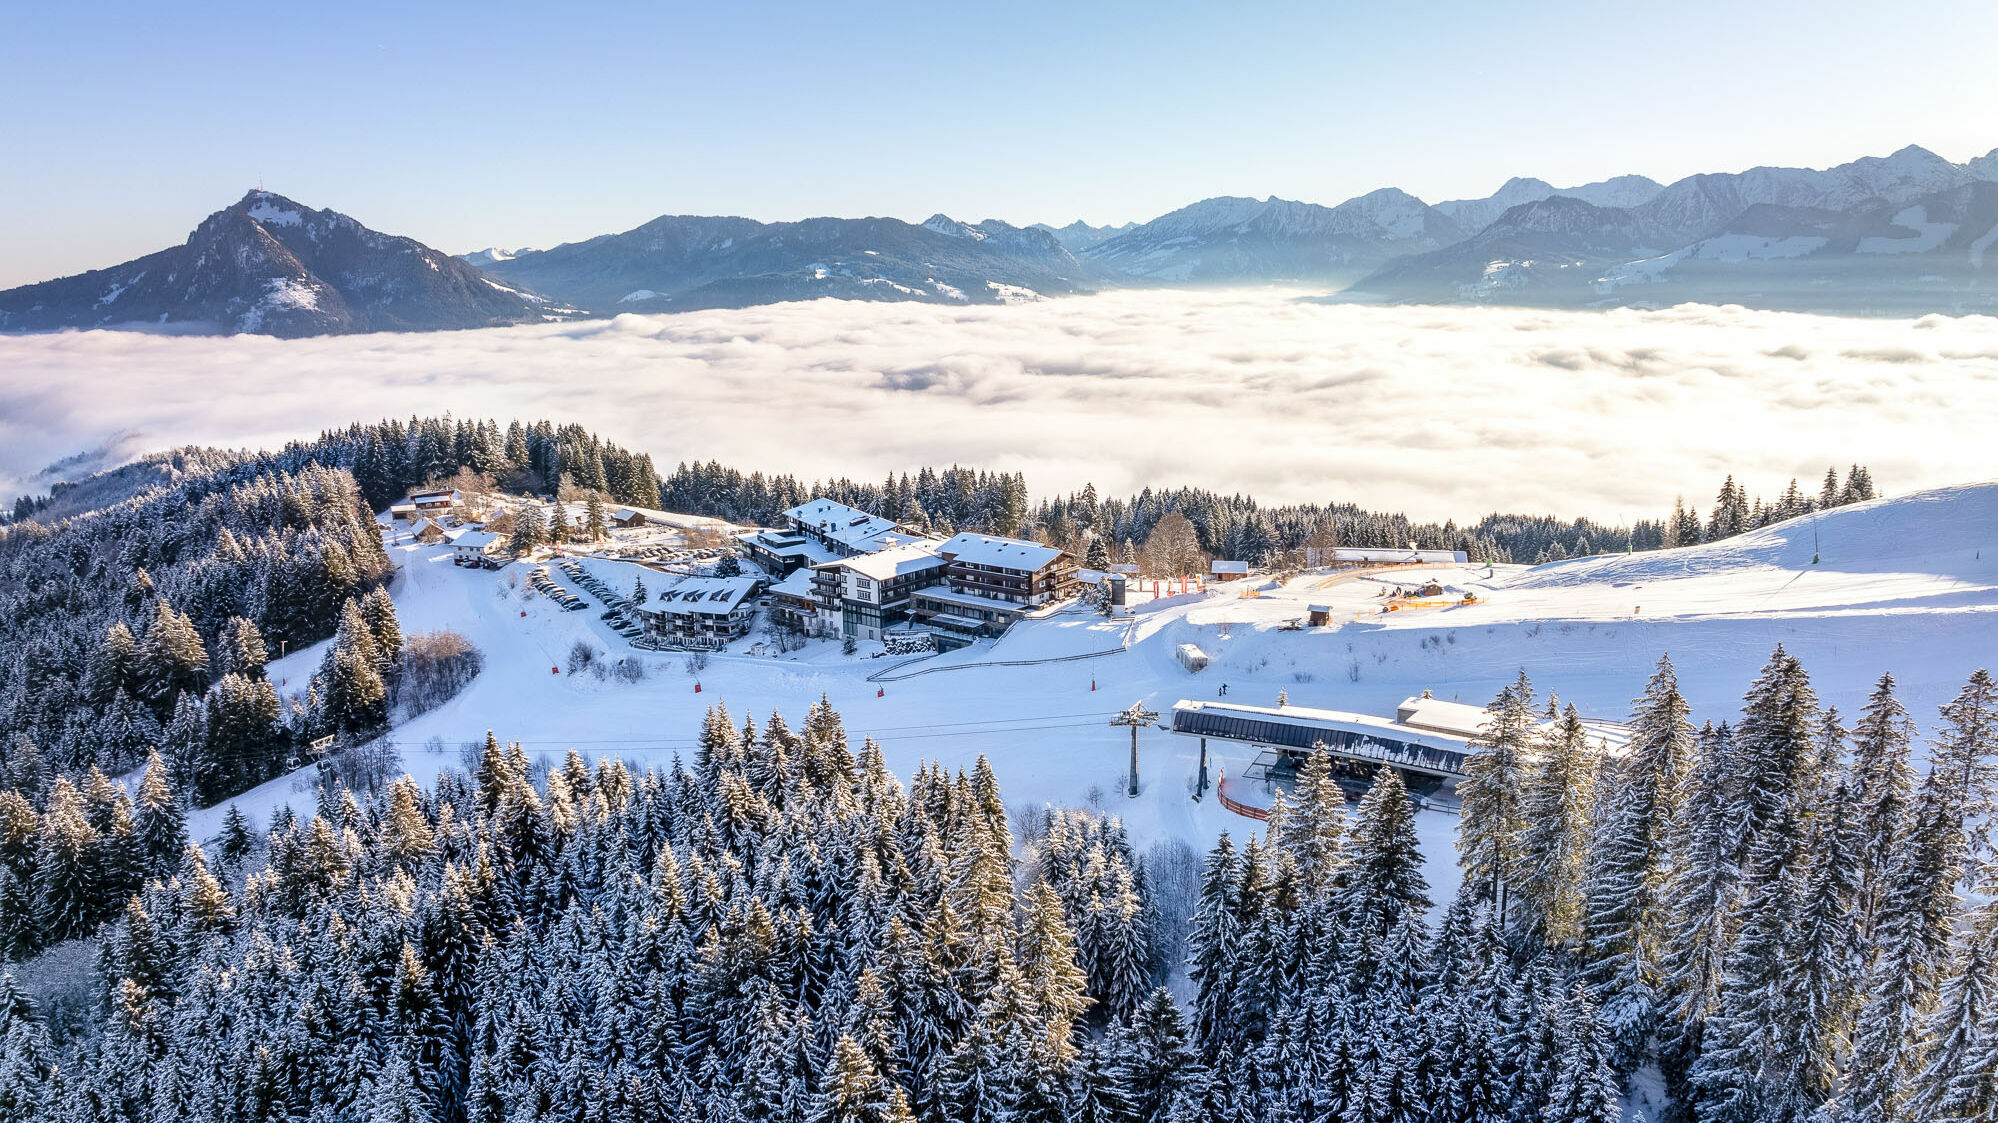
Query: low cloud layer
[1438,412]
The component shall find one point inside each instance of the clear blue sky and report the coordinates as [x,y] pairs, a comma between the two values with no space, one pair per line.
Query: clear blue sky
[531,124]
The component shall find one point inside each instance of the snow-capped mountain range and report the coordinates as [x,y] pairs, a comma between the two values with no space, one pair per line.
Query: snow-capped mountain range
[1903,234]
[680,262]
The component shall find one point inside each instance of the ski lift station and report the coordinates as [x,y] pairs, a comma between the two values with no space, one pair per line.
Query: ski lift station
[1428,740]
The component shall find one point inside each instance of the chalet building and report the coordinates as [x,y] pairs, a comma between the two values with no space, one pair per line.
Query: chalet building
[427,530]
[438,502]
[863,595]
[703,613]
[989,582]
[477,549]
[624,518]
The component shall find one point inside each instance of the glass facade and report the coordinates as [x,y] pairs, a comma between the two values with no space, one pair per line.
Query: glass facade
[1268,730]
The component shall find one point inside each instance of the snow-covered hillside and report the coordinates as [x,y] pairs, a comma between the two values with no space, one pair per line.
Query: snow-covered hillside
[1897,585]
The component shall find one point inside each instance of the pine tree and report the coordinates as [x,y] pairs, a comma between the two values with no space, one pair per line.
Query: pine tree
[171,660]
[1212,944]
[1957,1081]
[378,612]
[529,533]
[1494,785]
[243,651]
[1883,786]
[1385,868]
[114,665]
[1055,986]
[1315,837]
[1775,754]
[67,901]
[1098,557]
[852,1091]
[1585,1086]
[1154,1059]
[158,820]
[1912,939]
[1623,892]
[237,841]
[1552,845]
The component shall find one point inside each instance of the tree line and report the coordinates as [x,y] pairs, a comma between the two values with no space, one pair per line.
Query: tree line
[1734,511]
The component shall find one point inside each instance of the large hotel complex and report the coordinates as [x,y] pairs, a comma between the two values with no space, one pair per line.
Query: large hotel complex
[846,572]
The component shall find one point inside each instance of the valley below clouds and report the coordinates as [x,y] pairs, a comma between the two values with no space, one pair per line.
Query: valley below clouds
[1440,412]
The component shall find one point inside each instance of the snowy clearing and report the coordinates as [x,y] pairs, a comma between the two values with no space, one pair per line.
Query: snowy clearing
[1589,629]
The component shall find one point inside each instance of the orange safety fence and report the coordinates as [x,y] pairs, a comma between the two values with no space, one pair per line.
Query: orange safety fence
[1250,811]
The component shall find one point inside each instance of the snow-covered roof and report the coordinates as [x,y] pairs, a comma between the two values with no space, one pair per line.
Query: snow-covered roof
[626,514]
[785,544]
[849,526]
[474,539]
[450,494]
[1391,556]
[886,565]
[1006,553]
[711,596]
[1460,719]
[422,525]
[798,584]
[1444,717]
[1300,727]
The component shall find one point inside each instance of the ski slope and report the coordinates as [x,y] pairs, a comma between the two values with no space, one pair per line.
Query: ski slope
[1897,585]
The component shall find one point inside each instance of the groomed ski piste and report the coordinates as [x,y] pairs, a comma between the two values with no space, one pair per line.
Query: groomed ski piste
[1898,585]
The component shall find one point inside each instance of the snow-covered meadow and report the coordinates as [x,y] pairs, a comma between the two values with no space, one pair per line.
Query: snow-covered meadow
[1441,412]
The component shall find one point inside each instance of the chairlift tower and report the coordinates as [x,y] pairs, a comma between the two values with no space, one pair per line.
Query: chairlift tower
[1135,717]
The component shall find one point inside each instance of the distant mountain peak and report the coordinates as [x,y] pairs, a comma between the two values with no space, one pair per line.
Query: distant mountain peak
[950,227]
[269,265]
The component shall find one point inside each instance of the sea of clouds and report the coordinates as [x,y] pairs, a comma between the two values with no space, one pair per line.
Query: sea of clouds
[1440,412]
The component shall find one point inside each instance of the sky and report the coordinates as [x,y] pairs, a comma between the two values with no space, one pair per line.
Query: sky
[1437,412]
[520,124]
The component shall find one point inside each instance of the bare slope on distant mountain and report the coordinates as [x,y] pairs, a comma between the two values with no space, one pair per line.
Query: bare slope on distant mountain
[270,266]
[679,262]
[1231,239]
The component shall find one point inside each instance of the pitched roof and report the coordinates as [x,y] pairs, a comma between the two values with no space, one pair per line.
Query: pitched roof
[714,596]
[798,584]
